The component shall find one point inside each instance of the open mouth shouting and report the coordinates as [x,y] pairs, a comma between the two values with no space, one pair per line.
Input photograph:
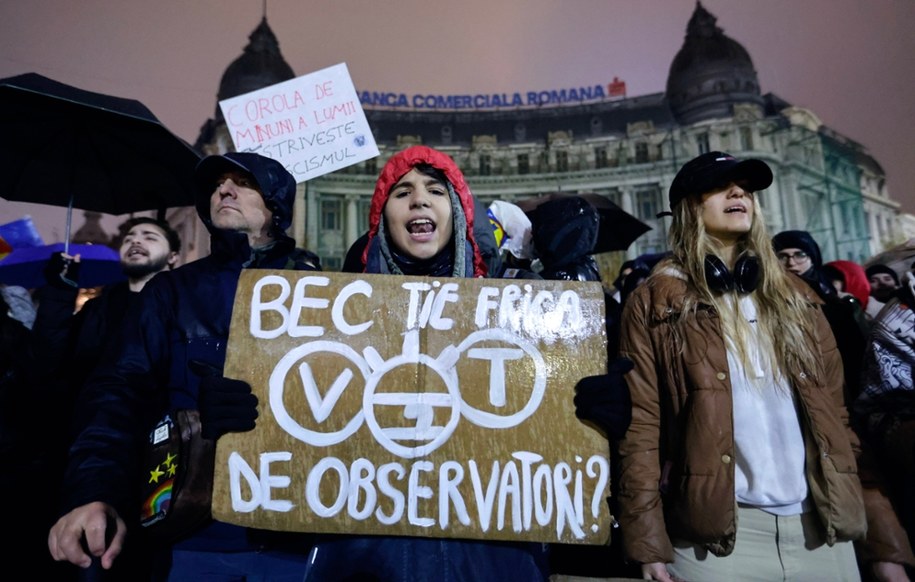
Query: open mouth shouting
[418,215]
[136,251]
[727,214]
[421,229]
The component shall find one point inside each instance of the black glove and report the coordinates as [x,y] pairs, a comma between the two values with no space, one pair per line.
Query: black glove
[225,405]
[61,273]
[605,399]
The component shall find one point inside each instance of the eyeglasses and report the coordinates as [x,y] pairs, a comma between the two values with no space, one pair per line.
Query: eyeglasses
[798,257]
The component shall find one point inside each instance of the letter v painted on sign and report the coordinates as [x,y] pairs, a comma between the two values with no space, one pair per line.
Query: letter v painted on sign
[322,407]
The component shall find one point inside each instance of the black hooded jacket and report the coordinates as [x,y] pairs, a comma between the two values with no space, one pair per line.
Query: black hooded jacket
[801,239]
[183,315]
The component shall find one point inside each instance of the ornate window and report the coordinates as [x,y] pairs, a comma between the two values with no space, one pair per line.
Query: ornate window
[641,153]
[485,164]
[746,138]
[562,161]
[600,157]
[331,215]
[647,202]
[702,143]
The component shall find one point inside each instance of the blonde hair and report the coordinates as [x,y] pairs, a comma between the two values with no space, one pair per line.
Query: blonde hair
[784,315]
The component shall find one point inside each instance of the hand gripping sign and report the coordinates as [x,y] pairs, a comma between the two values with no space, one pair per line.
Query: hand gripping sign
[416,406]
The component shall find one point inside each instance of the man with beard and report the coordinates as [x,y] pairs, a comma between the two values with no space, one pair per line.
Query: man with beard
[149,247]
[884,282]
[64,349]
[74,342]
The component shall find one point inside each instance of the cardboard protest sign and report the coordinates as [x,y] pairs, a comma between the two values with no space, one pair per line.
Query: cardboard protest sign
[313,124]
[416,406]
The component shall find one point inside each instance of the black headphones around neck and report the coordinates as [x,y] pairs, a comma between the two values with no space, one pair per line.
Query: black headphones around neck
[743,279]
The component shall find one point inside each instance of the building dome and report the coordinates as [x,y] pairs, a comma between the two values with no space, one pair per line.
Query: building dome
[710,74]
[259,66]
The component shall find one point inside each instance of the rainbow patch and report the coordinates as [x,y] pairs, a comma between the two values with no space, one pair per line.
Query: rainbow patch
[158,501]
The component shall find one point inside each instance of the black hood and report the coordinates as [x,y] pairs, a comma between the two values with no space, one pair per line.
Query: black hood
[799,239]
[564,230]
[276,184]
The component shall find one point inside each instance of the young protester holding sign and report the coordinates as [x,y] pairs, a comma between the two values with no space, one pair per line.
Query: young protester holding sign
[421,224]
[739,463]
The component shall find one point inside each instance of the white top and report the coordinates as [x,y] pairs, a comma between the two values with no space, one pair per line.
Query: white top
[769,445]
[873,308]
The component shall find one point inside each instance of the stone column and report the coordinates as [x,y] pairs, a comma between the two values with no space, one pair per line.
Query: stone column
[627,204]
[298,216]
[351,232]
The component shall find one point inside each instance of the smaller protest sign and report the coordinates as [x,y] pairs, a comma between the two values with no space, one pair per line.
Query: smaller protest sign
[313,124]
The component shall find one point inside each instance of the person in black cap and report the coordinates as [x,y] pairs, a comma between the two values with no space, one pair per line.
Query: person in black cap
[799,253]
[721,472]
[715,170]
[171,356]
[884,282]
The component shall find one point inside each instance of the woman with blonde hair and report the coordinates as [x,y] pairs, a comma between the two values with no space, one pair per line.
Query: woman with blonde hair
[739,463]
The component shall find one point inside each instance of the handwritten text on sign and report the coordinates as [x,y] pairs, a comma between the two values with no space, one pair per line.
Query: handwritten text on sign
[414,406]
[313,124]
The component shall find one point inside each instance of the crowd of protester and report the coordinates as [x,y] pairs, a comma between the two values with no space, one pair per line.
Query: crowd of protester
[758,401]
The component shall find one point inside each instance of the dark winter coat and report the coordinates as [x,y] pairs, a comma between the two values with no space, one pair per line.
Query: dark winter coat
[183,315]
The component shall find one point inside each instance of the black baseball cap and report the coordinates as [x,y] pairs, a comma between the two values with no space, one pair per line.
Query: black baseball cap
[715,169]
[884,269]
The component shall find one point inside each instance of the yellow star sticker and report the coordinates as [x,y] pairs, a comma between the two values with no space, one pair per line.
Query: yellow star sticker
[170,459]
[171,470]
[155,474]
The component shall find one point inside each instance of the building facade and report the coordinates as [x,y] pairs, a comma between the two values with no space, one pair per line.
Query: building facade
[627,148]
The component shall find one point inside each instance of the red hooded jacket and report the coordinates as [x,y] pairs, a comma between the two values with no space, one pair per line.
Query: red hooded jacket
[399,165]
[856,281]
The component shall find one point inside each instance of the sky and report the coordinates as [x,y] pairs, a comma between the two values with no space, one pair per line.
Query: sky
[848,61]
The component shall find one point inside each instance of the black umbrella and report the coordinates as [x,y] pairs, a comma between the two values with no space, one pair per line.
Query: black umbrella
[617,228]
[78,149]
